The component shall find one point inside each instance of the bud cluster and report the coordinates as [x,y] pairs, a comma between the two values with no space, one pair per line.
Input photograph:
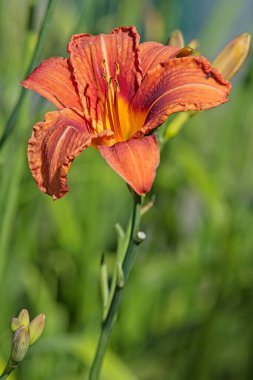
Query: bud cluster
[26,333]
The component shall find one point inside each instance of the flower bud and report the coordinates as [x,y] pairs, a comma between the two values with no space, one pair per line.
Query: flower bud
[104,282]
[194,44]
[176,39]
[24,318]
[232,57]
[15,324]
[36,328]
[20,344]
[120,276]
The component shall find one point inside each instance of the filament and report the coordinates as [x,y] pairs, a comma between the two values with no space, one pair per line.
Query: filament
[110,104]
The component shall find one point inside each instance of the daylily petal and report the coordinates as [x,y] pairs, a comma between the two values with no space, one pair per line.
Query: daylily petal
[153,53]
[54,80]
[181,84]
[96,59]
[135,161]
[53,146]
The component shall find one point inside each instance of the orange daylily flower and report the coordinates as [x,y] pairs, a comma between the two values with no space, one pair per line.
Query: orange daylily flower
[112,93]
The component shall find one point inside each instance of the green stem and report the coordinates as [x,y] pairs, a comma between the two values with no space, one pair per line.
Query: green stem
[108,323]
[11,122]
[8,369]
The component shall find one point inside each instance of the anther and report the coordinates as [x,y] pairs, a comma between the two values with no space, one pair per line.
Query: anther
[116,85]
[117,68]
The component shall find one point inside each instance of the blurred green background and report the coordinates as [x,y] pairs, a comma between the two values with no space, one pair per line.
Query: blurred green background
[187,311]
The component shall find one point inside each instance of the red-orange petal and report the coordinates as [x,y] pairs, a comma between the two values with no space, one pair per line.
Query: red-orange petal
[153,53]
[94,60]
[181,84]
[135,161]
[53,146]
[53,79]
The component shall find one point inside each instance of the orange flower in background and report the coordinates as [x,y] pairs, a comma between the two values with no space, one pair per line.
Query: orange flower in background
[112,93]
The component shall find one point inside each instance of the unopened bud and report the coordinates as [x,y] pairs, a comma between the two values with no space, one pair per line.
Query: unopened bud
[232,57]
[15,324]
[120,276]
[24,318]
[176,39]
[194,44]
[36,328]
[20,345]
[104,282]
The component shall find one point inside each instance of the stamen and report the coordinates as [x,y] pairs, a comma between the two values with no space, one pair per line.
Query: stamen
[117,69]
[103,75]
[111,108]
[116,108]
[103,114]
[108,103]
[116,84]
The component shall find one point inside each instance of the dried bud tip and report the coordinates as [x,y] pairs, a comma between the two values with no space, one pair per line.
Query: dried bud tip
[140,237]
[185,52]
[36,328]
